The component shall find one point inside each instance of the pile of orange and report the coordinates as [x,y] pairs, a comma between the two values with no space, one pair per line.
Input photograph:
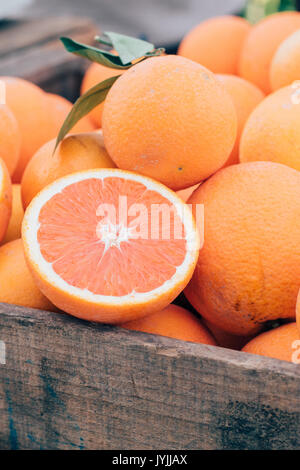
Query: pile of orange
[109,225]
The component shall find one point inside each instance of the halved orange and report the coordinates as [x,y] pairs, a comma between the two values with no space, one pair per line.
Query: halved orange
[98,250]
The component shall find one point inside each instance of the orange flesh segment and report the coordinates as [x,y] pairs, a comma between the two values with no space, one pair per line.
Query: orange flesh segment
[70,239]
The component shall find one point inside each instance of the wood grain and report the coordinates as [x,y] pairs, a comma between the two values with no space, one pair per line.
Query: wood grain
[32,50]
[69,384]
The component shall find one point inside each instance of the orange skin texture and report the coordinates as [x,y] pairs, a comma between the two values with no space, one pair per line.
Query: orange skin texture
[279,343]
[248,271]
[272,131]
[17,286]
[298,311]
[225,339]
[245,97]
[173,322]
[95,74]
[75,153]
[28,103]
[5,200]
[169,118]
[39,116]
[285,66]
[10,138]
[261,44]
[216,43]
[15,222]
[59,108]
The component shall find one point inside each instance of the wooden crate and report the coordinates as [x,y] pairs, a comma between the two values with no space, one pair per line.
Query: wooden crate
[70,384]
[31,49]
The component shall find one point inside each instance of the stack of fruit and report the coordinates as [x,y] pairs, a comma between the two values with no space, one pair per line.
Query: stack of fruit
[185,179]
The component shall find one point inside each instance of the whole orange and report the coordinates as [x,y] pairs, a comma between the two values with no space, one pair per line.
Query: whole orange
[28,104]
[173,322]
[75,153]
[17,285]
[225,339]
[15,222]
[280,343]
[58,109]
[245,97]
[5,199]
[10,138]
[272,131]
[216,43]
[298,311]
[248,271]
[261,44]
[171,119]
[95,74]
[285,66]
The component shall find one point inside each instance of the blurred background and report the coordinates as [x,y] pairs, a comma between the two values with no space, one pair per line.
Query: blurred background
[163,22]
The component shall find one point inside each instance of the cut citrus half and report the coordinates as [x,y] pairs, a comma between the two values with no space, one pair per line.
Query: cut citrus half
[109,245]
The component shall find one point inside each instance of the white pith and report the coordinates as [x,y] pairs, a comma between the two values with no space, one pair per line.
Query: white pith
[31,225]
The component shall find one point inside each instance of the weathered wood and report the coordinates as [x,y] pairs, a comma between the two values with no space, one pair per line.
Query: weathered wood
[69,384]
[32,50]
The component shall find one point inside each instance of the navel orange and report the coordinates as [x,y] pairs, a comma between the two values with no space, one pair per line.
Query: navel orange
[16,283]
[173,322]
[272,131]
[216,43]
[248,271]
[171,119]
[261,44]
[76,152]
[280,343]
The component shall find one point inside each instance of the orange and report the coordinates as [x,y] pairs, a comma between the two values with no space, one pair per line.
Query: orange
[280,343]
[109,245]
[248,271]
[184,194]
[58,109]
[171,119]
[15,222]
[28,103]
[10,138]
[216,43]
[39,116]
[298,311]
[17,286]
[95,74]
[75,153]
[285,66]
[173,322]
[5,199]
[261,44]
[245,97]
[225,339]
[272,131]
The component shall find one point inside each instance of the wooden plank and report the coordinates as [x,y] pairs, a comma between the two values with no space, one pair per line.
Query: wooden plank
[44,61]
[22,35]
[69,384]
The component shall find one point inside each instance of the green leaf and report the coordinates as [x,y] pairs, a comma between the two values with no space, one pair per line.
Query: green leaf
[288,5]
[84,105]
[94,54]
[256,10]
[127,47]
